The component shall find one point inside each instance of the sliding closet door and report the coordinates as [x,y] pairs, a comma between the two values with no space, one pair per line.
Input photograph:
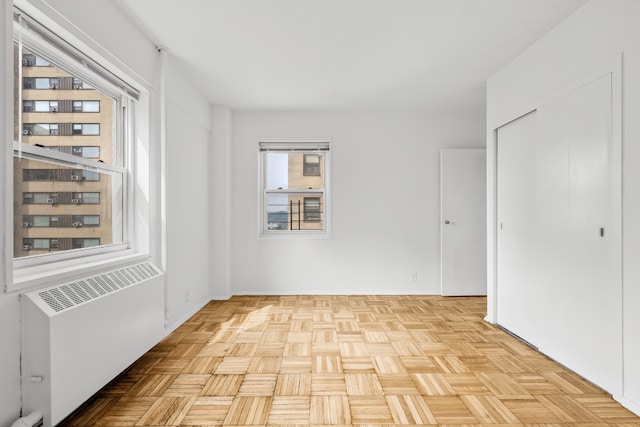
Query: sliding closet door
[580,244]
[559,270]
[517,294]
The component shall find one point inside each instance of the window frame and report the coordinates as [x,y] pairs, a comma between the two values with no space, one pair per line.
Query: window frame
[54,42]
[298,146]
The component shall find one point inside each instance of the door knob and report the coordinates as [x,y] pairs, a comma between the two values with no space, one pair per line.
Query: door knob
[446,221]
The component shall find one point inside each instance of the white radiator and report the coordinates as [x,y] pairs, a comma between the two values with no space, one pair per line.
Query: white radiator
[78,336]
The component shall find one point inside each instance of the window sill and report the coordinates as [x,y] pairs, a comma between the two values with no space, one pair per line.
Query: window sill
[288,235]
[48,274]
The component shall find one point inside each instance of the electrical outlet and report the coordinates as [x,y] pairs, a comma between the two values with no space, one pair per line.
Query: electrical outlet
[414,277]
[186,296]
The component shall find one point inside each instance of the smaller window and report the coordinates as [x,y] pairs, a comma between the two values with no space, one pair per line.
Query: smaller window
[40,129]
[86,220]
[312,209]
[41,221]
[38,175]
[41,243]
[294,193]
[79,84]
[84,243]
[39,198]
[87,197]
[40,83]
[86,106]
[311,165]
[40,106]
[31,60]
[86,129]
[91,152]
[84,175]
[28,60]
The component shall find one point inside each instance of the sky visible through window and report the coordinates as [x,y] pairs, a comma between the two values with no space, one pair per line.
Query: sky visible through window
[278,177]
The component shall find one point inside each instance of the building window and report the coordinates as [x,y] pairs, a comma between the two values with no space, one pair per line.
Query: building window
[86,129]
[31,60]
[86,151]
[40,83]
[55,221]
[87,198]
[86,106]
[311,165]
[40,106]
[86,221]
[40,129]
[85,243]
[62,174]
[58,244]
[294,187]
[312,208]
[79,84]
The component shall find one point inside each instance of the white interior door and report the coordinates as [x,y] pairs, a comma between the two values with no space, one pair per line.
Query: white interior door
[463,223]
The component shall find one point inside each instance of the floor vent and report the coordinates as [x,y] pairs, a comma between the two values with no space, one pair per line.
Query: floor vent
[69,295]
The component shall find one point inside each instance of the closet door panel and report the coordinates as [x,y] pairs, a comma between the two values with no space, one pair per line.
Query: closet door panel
[582,324]
[518,293]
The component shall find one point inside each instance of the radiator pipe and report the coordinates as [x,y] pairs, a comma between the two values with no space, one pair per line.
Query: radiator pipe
[29,421]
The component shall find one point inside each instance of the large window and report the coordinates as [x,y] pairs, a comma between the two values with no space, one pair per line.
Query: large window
[70,171]
[294,187]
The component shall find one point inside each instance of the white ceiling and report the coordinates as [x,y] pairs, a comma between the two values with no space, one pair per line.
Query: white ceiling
[346,54]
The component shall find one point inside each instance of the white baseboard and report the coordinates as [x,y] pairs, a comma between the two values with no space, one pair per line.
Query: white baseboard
[177,323]
[632,406]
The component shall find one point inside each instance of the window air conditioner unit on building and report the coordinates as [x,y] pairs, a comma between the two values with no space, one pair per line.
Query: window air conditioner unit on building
[26,132]
[26,247]
[26,224]
[53,86]
[75,177]
[77,224]
[50,201]
[54,109]
[76,201]
[76,86]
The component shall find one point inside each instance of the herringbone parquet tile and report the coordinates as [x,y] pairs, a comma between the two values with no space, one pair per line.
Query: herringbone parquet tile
[346,361]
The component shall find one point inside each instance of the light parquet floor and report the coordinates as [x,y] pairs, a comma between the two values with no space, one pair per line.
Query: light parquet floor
[347,361]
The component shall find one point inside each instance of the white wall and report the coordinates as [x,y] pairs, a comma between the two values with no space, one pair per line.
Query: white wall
[593,35]
[385,197]
[221,140]
[188,199]
[107,30]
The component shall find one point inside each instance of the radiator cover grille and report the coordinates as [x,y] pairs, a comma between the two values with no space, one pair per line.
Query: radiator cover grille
[66,296]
